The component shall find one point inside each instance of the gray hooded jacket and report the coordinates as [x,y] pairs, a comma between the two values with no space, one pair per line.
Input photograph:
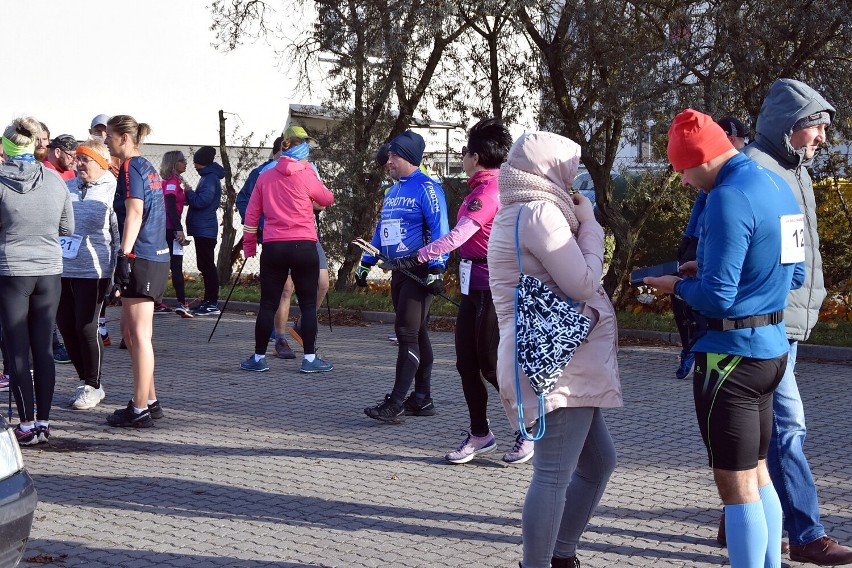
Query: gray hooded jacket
[788,101]
[35,208]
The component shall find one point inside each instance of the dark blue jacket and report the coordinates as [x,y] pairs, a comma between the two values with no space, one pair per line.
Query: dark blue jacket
[203,203]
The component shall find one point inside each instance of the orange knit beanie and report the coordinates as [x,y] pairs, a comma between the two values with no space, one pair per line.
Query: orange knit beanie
[694,139]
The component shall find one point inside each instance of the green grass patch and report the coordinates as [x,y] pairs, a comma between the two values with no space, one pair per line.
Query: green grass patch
[377,298]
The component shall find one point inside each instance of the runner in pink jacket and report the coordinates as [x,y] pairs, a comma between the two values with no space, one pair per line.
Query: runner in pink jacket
[285,196]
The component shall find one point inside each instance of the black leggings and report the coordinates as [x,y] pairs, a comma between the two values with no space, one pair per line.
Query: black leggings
[411,301]
[27,311]
[176,264]
[77,318]
[279,259]
[204,249]
[477,337]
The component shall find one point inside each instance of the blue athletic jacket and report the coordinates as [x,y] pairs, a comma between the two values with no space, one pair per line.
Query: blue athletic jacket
[414,213]
[739,259]
[203,203]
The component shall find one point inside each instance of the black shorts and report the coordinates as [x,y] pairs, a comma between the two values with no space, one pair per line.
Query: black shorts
[733,403]
[147,279]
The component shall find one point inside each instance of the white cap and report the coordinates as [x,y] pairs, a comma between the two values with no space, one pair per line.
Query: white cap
[100,119]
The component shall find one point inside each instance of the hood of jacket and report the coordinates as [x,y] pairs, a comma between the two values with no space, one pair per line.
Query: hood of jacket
[288,166]
[21,176]
[788,101]
[213,169]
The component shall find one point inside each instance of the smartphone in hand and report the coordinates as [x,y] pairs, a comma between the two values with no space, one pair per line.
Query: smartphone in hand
[664,269]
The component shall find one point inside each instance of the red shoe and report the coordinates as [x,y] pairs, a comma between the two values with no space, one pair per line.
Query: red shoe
[105,338]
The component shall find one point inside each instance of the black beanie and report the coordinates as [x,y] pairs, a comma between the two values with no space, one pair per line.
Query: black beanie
[382,155]
[204,156]
[409,146]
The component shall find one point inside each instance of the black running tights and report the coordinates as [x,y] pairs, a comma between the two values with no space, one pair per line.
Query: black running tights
[411,301]
[27,311]
[77,318]
[279,259]
[176,265]
[204,258]
[477,337]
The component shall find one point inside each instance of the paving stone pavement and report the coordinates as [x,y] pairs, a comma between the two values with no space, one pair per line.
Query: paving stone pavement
[283,469]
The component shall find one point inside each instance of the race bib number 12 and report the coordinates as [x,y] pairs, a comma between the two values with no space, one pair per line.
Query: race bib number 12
[792,238]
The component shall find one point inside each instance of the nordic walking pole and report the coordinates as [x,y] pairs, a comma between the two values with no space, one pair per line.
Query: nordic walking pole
[369,248]
[228,299]
[328,306]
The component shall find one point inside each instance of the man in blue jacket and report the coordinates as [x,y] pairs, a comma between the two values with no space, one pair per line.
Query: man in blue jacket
[748,259]
[414,213]
[202,222]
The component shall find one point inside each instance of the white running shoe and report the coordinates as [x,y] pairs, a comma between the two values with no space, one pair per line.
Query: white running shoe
[86,397]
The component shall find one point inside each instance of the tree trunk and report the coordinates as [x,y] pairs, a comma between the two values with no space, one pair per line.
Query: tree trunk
[224,263]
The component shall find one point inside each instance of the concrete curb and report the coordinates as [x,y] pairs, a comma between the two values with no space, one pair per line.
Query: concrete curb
[806,351]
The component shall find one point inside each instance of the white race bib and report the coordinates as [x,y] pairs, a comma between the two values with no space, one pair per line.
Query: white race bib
[177,250]
[792,238]
[70,245]
[391,232]
[465,267]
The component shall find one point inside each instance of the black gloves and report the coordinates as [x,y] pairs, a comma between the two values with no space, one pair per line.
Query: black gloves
[407,262]
[435,283]
[361,275]
[122,272]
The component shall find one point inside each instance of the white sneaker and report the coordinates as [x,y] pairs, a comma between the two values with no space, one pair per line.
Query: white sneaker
[86,397]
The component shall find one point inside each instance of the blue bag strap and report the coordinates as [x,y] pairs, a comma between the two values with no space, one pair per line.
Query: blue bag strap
[521,426]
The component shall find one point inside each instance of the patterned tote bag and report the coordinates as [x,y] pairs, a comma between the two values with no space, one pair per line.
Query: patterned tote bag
[548,331]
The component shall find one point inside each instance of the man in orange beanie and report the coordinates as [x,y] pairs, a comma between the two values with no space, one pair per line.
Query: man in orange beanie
[748,259]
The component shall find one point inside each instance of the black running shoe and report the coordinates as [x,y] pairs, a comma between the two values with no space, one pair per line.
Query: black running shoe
[127,418]
[156,410]
[386,411]
[416,406]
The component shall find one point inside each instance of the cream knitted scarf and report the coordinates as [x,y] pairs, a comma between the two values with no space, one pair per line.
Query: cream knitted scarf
[518,186]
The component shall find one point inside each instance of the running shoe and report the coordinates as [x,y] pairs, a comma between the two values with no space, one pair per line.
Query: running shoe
[156,410]
[162,309]
[521,452]
[4,383]
[122,344]
[315,366]
[386,411]
[206,309]
[251,365]
[687,359]
[392,338]
[43,434]
[472,447]
[183,310]
[26,438]
[128,418]
[60,354]
[418,406]
[105,338]
[283,350]
[86,397]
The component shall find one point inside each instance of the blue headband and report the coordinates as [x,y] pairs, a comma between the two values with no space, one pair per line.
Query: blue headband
[299,152]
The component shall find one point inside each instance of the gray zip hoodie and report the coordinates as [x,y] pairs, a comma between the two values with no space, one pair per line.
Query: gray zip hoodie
[788,101]
[35,208]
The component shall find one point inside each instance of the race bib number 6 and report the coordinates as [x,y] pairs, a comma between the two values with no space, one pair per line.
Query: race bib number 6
[792,238]
[391,233]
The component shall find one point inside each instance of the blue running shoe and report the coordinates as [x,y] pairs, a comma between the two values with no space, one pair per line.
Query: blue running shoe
[687,359]
[316,366]
[251,365]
